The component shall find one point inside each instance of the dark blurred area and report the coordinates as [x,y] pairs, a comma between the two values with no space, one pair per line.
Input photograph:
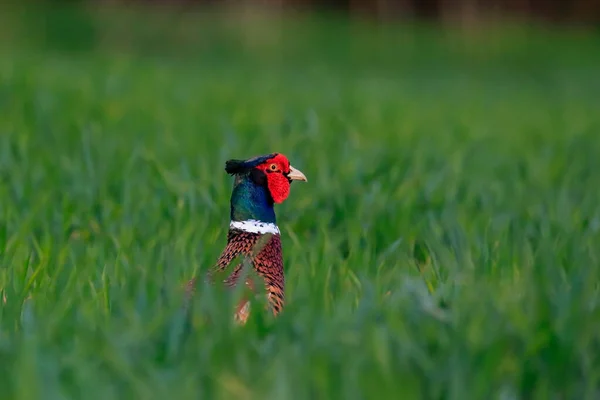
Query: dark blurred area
[553,11]
[348,33]
[574,11]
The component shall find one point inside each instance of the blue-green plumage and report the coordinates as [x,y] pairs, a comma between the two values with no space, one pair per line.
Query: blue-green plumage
[250,198]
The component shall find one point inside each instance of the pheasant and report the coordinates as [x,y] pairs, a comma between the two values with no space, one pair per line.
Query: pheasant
[253,233]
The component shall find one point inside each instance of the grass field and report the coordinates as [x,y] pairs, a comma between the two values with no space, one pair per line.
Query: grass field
[446,245]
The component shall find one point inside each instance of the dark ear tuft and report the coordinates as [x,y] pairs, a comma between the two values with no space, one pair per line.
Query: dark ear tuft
[233,167]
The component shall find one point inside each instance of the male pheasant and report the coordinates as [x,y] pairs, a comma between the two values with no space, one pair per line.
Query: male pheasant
[253,233]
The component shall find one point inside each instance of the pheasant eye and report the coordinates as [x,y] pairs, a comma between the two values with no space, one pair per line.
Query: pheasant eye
[273,167]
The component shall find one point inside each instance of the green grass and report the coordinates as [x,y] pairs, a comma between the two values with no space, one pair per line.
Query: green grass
[446,245]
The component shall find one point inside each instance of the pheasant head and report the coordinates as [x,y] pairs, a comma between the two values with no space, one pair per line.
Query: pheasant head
[259,183]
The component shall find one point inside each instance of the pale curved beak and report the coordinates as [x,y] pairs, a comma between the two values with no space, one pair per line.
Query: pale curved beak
[296,175]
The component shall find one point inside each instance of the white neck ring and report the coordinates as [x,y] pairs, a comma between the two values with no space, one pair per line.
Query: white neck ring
[254,226]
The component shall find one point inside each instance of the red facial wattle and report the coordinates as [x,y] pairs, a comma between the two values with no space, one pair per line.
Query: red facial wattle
[277,182]
[279,186]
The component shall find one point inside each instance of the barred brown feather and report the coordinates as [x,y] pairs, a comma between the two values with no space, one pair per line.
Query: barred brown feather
[264,253]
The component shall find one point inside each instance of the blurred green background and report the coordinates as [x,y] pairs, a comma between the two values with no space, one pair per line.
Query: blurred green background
[445,246]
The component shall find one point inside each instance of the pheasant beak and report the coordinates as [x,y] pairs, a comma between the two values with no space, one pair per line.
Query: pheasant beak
[296,175]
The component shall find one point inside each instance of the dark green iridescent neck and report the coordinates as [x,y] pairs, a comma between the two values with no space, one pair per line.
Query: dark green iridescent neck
[250,200]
